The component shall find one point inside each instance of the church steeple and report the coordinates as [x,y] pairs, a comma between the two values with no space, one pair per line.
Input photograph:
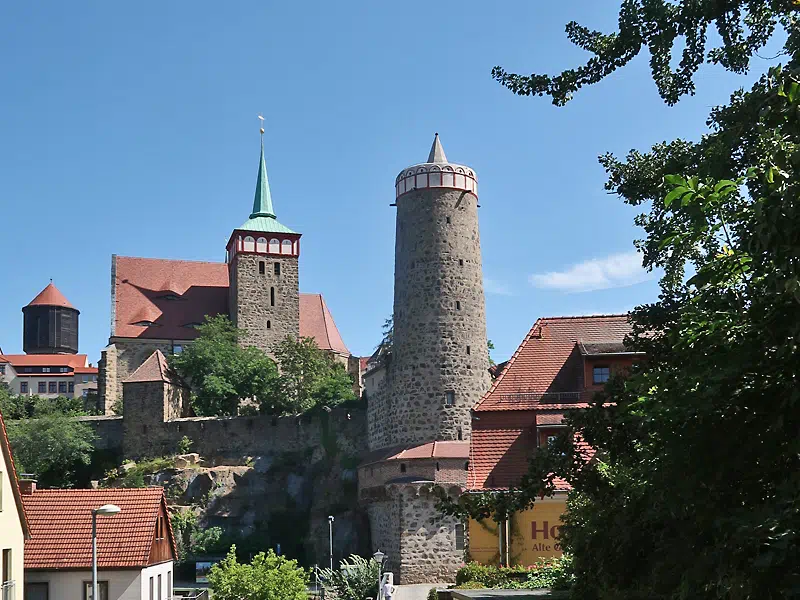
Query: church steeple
[436,154]
[262,203]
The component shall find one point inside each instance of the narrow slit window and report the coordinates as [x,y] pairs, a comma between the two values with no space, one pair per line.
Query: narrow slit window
[459,536]
[468,350]
[449,398]
[277,268]
[460,434]
[460,262]
[402,467]
[261,269]
[269,324]
[458,305]
[272,296]
[448,220]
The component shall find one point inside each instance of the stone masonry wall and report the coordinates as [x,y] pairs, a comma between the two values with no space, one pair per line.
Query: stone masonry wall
[439,319]
[121,358]
[251,304]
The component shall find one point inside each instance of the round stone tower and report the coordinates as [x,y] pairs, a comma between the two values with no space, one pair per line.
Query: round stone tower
[50,324]
[439,360]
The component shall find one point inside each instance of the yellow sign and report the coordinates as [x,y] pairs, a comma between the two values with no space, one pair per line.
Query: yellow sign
[533,535]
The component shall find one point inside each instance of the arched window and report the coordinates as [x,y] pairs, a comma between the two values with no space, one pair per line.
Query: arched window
[269,324]
[287,247]
[261,245]
[249,244]
[275,246]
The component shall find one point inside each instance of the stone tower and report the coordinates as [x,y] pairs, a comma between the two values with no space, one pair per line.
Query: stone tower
[439,360]
[50,324]
[262,258]
[438,369]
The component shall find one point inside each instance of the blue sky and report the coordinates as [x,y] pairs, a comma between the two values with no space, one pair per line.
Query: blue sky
[130,128]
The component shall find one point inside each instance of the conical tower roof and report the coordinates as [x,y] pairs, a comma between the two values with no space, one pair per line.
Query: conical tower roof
[262,219]
[50,296]
[437,154]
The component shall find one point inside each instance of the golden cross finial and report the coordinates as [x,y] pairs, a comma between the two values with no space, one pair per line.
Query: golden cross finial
[261,119]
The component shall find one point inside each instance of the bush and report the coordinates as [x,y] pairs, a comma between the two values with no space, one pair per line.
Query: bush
[433,594]
[553,573]
[470,585]
[184,445]
[355,579]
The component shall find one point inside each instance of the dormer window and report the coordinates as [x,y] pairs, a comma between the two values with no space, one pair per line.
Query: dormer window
[170,297]
[193,325]
[145,324]
[600,375]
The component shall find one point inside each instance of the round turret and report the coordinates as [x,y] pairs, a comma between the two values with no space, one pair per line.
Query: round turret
[439,363]
[50,324]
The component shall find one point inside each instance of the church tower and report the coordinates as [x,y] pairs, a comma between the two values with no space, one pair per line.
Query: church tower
[262,256]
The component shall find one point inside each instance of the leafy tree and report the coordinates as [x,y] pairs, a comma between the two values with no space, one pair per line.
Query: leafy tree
[694,490]
[664,27]
[489,348]
[308,377]
[52,446]
[220,372]
[267,577]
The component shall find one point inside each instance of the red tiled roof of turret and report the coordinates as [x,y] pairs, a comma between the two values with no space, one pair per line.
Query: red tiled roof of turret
[155,368]
[50,296]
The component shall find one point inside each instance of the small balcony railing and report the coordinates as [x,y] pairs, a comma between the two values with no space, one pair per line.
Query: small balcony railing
[542,398]
[7,590]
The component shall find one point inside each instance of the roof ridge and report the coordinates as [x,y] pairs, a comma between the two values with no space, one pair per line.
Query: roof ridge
[323,307]
[181,260]
[575,317]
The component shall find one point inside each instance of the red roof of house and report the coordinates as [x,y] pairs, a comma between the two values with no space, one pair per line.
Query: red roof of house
[5,447]
[176,295]
[444,449]
[548,366]
[86,370]
[73,361]
[50,296]
[61,528]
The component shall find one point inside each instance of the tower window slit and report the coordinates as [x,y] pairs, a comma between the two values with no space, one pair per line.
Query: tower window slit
[468,349]
[448,220]
[460,435]
[261,269]
[449,398]
[402,467]
[269,324]
[460,262]
[277,268]
[272,296]
[458,305]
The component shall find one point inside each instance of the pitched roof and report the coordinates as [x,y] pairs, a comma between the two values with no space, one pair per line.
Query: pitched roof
[437,154]
[61,527]
[155,368]
[5,447]
[500,448]
[547,367]
[316,321]
[47,360]
[50,296]
[86,370]
[176,295]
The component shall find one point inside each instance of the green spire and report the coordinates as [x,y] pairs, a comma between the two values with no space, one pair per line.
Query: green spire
[262,219]
[262,203]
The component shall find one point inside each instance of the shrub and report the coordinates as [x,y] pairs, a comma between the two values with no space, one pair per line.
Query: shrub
[553,573]
[267,577]
[470,585]
[488,575]
[355,579]
[184,445]
[433,594]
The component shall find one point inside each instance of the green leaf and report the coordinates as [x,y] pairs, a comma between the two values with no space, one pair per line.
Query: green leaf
[674,180]
[674,195]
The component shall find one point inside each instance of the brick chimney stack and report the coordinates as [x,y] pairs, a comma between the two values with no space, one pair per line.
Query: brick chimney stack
[27,486]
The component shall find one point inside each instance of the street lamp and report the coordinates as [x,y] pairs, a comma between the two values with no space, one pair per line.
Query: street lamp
[106,509]
[330,537]
[379,556]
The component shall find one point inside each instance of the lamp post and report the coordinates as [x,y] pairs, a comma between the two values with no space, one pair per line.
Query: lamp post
[106,509]
[330,538]
[379,557]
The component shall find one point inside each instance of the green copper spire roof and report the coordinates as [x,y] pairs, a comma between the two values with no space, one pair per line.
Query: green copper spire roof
[263,216]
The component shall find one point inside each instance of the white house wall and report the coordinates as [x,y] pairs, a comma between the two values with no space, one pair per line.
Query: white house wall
[68,585]
[11,535]
[154,571]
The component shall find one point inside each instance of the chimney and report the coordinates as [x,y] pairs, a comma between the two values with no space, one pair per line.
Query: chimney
[27,486]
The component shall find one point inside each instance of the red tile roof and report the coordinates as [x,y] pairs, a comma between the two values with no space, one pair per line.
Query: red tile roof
[444,449]
[72,361]
[145,289]
[50,296]
[500,448]
[548,366]
[61,528]
[153,369]
[316,322]
[5,447]
[86,370]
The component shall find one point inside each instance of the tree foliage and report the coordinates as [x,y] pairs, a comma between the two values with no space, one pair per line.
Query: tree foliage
[694,490]
[24,406]
[266,577]
[220,371]
[52,446]
[308,377]
[665,29]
